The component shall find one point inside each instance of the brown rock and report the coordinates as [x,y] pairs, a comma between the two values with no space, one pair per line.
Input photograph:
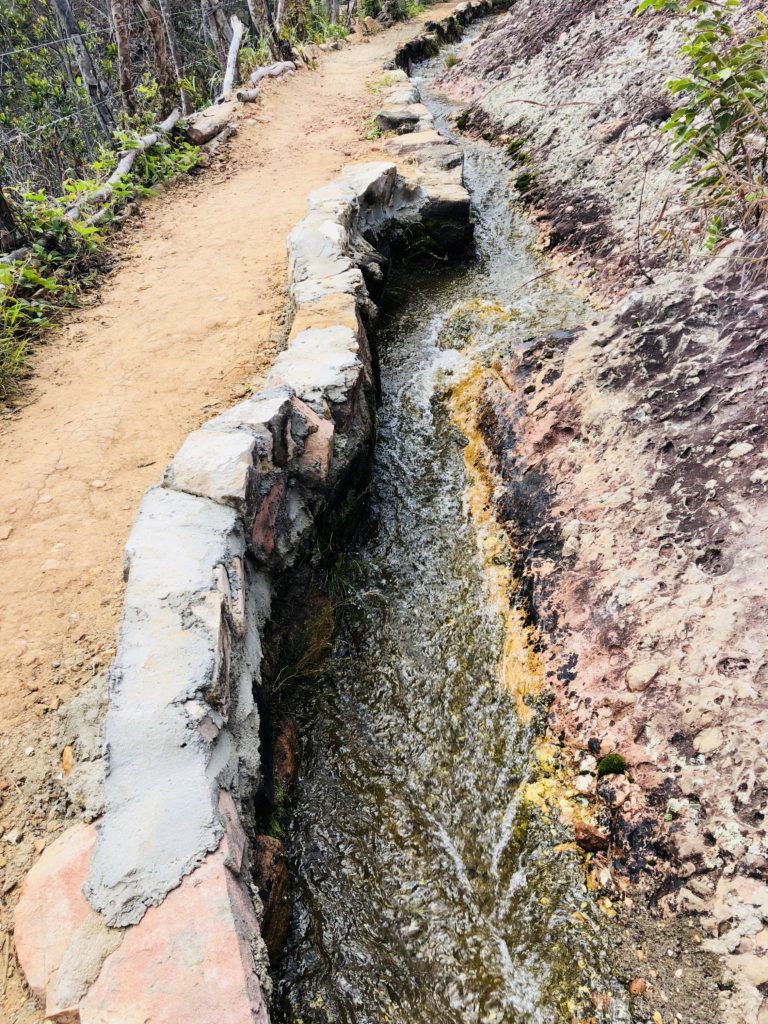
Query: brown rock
[638,987]
[590,838]
[285,754]
[270,872]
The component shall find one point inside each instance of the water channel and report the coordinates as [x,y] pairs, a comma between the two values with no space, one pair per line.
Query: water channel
[426,890]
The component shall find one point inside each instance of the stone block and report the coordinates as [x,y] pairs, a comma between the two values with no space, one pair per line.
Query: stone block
[314,462]
[372,183]
[52,906]
[318,247]
[266,415]
[323,367]
[171,695]
[336,310]
[189,959]
[401,95]
[350,282]
[217,464]
[402,118]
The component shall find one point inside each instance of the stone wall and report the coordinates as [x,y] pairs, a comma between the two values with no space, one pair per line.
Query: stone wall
[152,913]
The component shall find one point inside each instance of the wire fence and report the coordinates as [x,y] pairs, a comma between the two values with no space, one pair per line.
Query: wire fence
[50,128]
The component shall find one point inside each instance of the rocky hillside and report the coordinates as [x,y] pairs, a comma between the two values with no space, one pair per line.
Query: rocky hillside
[630,467]
[576,89]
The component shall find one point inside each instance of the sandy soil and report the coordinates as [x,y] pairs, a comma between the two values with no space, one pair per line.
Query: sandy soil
[185,325]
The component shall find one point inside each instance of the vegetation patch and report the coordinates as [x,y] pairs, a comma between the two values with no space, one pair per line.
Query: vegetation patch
[61,255]
[719,130]
[611,764]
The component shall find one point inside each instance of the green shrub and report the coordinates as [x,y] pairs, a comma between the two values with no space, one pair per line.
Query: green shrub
[61,251]
[720,129]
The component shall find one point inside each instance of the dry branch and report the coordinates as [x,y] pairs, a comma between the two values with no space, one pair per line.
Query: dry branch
[272,71]
[237,37]
[125,163]
[248,95]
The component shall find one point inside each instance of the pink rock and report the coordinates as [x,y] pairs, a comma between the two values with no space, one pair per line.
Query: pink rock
[189,959]
[315,461]
[266,519]
[52,906]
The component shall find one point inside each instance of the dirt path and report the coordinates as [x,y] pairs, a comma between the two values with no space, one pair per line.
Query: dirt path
[182,328]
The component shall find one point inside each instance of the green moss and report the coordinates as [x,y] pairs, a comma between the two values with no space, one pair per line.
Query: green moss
[524,182]
[462,120]
[516,150]
[611,764]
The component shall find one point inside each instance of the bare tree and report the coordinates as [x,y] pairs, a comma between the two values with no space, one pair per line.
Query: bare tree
[175,54]
[217,29]
[265,24]
[231,69]
[165,79]
[124,69]
[88,72]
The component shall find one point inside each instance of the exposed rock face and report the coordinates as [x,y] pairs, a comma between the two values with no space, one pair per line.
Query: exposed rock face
[270,869]
[577,89]
[631,467]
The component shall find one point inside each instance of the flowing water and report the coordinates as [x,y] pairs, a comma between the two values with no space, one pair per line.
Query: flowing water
[425,889]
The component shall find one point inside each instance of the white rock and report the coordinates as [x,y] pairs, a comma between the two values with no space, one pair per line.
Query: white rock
[708,740]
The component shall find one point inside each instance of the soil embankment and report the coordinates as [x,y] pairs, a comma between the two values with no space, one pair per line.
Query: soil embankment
[629,466]
[187,323]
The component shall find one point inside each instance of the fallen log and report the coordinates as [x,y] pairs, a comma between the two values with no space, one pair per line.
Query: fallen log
[248,95]
[272,71]
[207,124]
[234,47]
[126,161]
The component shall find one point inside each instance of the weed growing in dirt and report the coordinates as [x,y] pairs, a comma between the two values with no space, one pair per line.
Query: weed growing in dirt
[372,130]
[720,130]
[451,60]
[412,10]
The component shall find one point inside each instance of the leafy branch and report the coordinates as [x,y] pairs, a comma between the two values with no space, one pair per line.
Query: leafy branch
[720,129]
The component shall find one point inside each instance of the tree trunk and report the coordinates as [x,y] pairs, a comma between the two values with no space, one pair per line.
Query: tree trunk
[124,69]
[234,48]
[165,80]
[88,72]
[175,54]
[9,232]
[217,29]
[280,48]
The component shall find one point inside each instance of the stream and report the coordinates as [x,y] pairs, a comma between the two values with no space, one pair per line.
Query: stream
[426,890]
